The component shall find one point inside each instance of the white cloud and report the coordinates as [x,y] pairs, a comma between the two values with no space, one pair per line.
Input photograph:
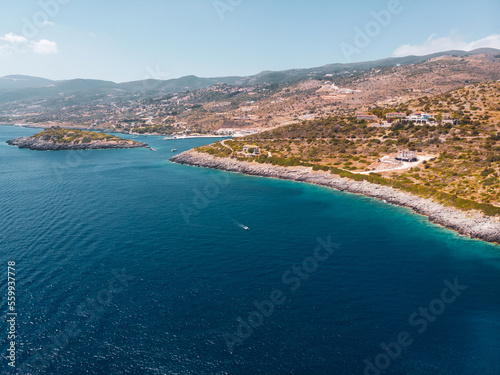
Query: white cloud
[12,38]
[44,47]
[447,43]
[11,43]
[47,23]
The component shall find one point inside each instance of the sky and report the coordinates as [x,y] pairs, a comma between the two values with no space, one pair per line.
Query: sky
[162,39]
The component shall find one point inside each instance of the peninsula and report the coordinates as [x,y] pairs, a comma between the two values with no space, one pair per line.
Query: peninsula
[57,138]
[439,155]
[474,223]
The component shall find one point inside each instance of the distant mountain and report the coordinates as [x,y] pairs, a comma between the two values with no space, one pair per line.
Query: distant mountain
[52,89]
[14,82]
[19,87]
[186,83]
[84,85]
[297,74]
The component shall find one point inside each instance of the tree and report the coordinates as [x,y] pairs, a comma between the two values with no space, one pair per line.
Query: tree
[439,118]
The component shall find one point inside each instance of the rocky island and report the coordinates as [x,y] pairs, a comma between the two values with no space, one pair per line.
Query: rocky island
[57,138]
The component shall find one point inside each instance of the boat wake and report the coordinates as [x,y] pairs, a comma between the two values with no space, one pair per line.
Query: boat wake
[241,225]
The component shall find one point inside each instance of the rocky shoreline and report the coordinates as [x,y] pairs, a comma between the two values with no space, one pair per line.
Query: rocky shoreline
[469,223]
[42,145]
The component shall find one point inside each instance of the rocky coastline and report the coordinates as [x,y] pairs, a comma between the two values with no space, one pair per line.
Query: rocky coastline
[469,223]
[43,145]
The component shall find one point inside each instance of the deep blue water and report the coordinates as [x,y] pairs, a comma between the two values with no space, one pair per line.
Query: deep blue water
[129,264]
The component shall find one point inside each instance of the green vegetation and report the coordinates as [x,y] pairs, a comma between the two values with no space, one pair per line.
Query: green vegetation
[216,149]
[423,191]
[153,129]
[72,136]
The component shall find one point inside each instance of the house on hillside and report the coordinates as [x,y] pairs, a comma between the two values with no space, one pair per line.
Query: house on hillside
[395,115]
[408,156]
[392,116]
[251,150]
[365,116]
[451,121]
[420,118]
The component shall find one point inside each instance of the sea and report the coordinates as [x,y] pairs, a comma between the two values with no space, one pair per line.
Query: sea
[121,262]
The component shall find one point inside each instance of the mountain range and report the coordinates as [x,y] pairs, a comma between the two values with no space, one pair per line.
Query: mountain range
[20,87]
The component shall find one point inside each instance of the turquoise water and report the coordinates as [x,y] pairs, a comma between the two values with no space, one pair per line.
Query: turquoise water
[129,264]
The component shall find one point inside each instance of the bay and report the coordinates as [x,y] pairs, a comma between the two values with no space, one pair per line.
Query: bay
[129,264]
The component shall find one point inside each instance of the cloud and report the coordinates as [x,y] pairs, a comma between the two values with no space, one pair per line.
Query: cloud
[447,43]
[11,43]
[47,23]
[12,38]
[44,47]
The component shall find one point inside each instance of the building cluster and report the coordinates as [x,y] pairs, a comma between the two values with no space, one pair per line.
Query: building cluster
[393,115]
[236,132]
[332,88]
[418,118]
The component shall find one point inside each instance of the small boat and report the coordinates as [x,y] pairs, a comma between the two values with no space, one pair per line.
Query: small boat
[152,149]
[173,150]
[242,226]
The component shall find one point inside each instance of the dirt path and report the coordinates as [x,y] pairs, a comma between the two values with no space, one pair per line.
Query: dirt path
[224,144]
[398,166]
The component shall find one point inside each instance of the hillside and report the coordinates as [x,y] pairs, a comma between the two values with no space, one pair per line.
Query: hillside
[458,164]
[266,100]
